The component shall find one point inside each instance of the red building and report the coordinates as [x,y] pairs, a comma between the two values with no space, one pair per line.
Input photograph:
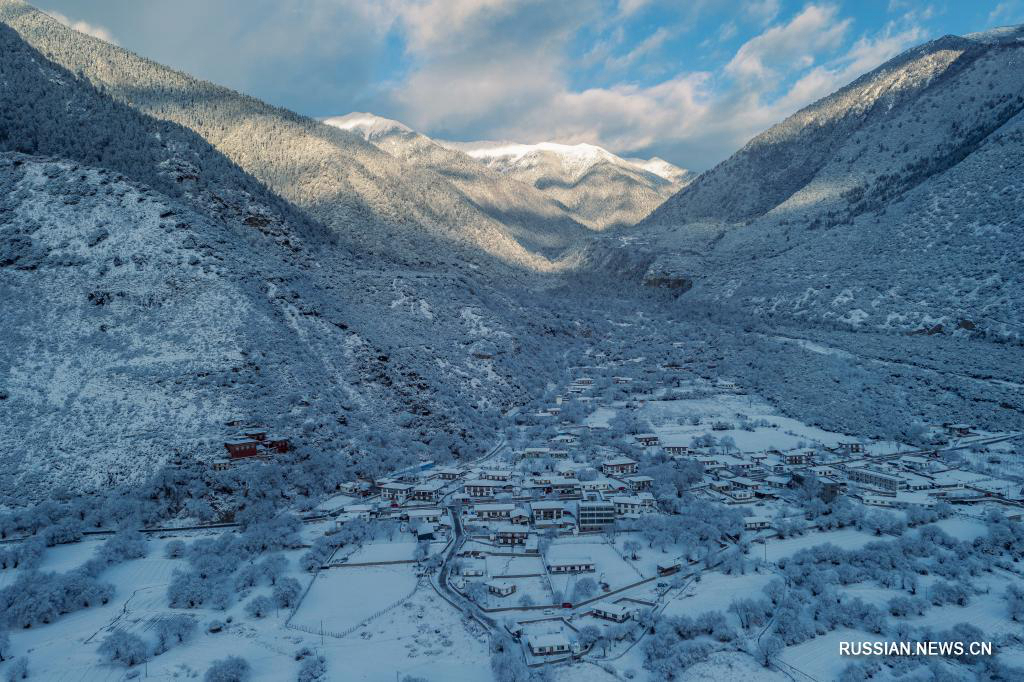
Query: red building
[242,447]
[277,444]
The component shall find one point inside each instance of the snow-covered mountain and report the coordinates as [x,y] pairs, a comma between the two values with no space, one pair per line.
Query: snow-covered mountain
[601,189]
[538,222]
[540,181]
[151,288]
[894,203]
[372,201]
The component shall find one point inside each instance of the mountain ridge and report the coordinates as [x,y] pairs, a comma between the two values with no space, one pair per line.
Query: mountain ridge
[811,205]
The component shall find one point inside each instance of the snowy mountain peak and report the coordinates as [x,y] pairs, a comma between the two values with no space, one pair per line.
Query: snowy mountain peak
[370,126]
[662,168]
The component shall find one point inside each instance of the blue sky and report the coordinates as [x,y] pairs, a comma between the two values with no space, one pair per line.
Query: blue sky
[689,81]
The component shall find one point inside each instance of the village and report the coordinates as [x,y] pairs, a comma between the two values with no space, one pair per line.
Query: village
[553,537]
[630,521]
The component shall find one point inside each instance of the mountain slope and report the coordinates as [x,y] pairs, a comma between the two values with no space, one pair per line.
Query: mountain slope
[373,202]
[537,221]
[136,326]
[151,289]
[599,189]
[893,203]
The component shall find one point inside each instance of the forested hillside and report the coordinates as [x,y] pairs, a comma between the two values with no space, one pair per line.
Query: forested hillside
[372,201]
[894,203]
[152,289]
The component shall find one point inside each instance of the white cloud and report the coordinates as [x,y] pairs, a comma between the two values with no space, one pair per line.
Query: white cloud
[84,27]
[645,47]
[494,77]
[762,11]
[1006,13]
[815,29]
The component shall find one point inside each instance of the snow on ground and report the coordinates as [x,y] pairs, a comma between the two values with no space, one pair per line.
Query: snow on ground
[403,550]
[425,637]
[961,527]
[986,611]
[728,666]
[505,565]
[341,598]
[846,538]
[819,657]
[716,591]
[871,593]
[609,567]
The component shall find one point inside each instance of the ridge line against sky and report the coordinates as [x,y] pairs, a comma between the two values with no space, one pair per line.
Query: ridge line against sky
[689,82]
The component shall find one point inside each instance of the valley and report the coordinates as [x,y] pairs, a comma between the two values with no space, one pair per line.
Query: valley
[287,397]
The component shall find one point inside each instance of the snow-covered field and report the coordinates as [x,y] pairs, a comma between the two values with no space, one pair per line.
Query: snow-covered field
[716,592]
[845,538]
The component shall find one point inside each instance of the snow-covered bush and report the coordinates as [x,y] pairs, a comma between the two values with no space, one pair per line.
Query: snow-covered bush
[172,630]
[175,549]
[259,606]
[125,648]
[17,670]
[312,669]
[286,592]
[230,669]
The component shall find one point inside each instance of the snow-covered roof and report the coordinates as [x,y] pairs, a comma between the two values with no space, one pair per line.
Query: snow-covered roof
[609,607]
[567,554]
[547,640]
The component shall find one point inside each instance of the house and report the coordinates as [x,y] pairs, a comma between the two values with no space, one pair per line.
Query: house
[568,559]
[277,444]
[547,644]
[254,432]
[395,492]
[617,613]
[480,488]
[798,458]
[242,447]
[520,516]
[627,505]
[547,511]
[584,381]
[425,515]
[740,494]
[877,479]
[959,430]
[757,522]
[594,513]
[510,534]
[710,463]
[621,380]
[640,482]
[533,453]
[601,485]
[618,466]
[647,439]
[669,568]
[427,492]
[500,588]
[448,473]
[676,449]
[735,464]
[564,439]
[496,475]
[494,511]
[748,483]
